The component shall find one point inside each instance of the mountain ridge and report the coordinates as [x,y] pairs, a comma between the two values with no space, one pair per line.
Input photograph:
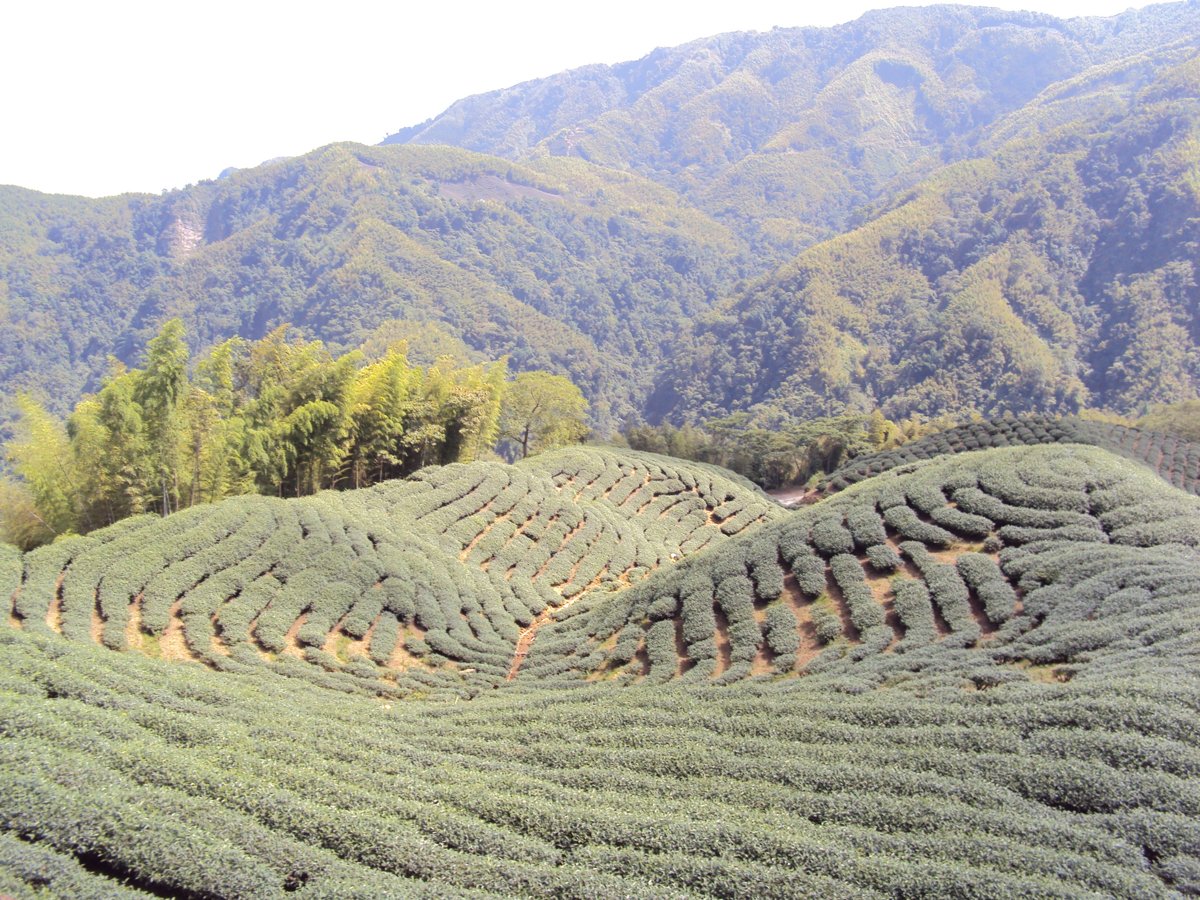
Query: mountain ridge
[666,286]
[788,73]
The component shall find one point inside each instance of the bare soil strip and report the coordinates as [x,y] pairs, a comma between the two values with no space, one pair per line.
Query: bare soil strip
[252,634]
[291,646]
[940,625]
[483,532]
[809,647]
[525,641]
[401,659]
[97,629]
[584,489]
[526,637]
[562,548]
[329,645]
[724,652]
[54,615]
[133,625]
[172,644]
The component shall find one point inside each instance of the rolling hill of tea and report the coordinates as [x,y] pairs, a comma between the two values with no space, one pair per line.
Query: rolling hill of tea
[1177,460]
[439,580]
[1003,555]
[612,674]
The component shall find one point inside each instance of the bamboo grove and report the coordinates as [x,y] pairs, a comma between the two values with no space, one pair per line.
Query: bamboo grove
[279,416]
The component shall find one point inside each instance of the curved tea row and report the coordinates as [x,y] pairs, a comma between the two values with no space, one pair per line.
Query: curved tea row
[980,551]
[1176,460]
[428,581]
[1001,664]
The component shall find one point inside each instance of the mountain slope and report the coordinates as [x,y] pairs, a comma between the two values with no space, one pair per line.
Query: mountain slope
[875,207]
[783,135]
[1055,273]
[560,264]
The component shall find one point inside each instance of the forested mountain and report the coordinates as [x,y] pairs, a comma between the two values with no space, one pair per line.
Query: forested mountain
[938,210]
[1056,272]
[784,135]
[559,264]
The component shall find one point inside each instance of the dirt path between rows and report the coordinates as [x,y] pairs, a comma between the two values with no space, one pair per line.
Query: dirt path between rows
[526,637]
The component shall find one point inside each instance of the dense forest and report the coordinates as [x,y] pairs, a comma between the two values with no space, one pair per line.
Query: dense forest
[802,223]
[1055,274]
[790,136]
[557,265]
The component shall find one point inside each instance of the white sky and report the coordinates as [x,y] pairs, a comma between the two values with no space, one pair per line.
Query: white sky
[107,96]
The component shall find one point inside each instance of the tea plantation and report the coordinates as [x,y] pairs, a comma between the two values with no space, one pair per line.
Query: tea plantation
[600,674]
[426,583]
[1175,459]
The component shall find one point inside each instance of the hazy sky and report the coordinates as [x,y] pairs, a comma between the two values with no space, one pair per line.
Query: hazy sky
[112,96]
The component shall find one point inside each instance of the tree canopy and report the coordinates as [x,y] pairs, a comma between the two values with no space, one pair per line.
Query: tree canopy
[281,416]
[543,411]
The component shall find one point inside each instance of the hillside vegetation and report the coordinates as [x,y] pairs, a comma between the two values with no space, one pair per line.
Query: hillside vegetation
[282,623]
[278,416]
[557,264]
[952,553]
[1175,460]
[786,135]
[1055,273]
[973,675]
[929,211]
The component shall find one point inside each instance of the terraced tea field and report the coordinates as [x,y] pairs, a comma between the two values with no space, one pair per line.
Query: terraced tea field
[1175,459]
[952,553]
[442,580]
[601,674]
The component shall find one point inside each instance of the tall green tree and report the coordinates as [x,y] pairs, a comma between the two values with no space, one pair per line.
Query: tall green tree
[1182,418]
[281,415]
[472,411]
[216,435]
[108,437]
[160,391]
[381,403]
[541,411]
[40,454]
